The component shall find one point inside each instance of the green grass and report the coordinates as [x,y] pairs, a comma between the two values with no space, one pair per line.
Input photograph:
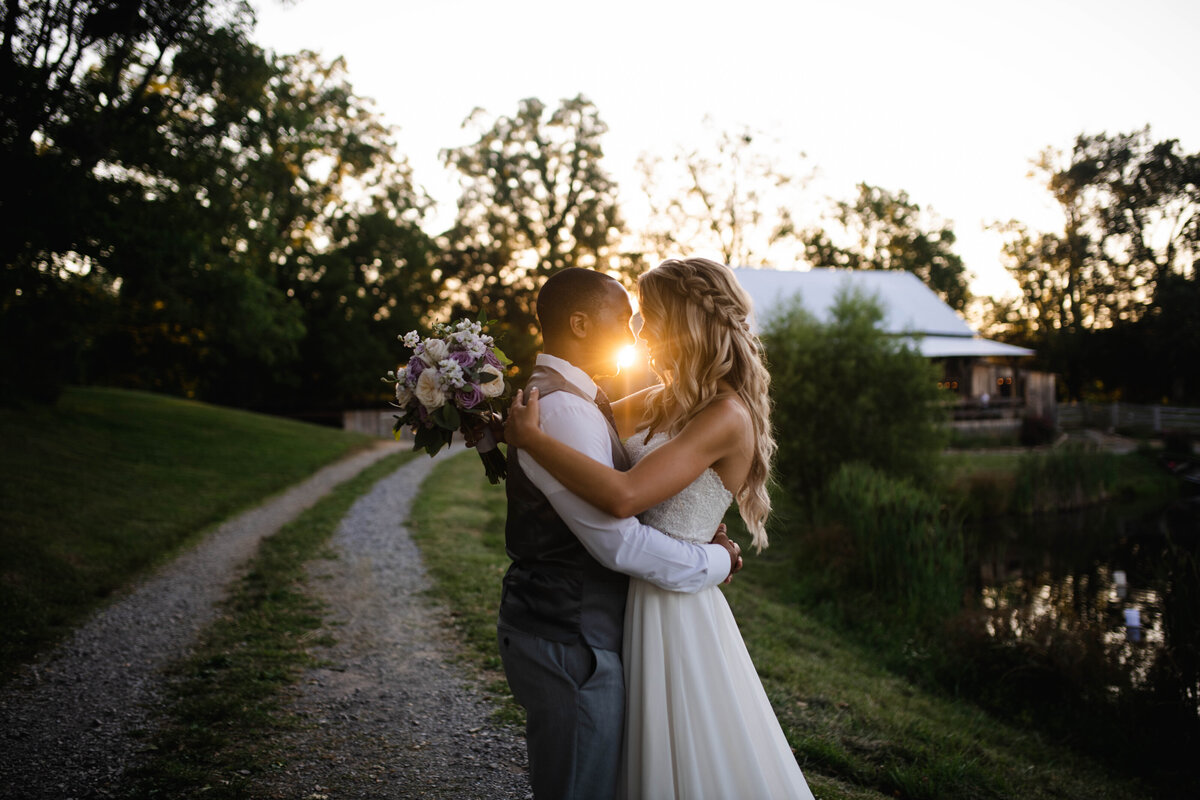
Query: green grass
[108,483]
[1022,481]
[225,697]
[859,730]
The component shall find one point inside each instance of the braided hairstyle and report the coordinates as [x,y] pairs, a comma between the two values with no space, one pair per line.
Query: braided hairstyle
[697,313]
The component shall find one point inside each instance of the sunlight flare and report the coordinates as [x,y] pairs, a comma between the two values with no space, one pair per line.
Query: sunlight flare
[627,356]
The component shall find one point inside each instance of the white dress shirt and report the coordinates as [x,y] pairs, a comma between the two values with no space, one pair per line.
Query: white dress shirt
[624,545]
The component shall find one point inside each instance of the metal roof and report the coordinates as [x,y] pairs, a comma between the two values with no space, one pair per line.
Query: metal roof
[909,306]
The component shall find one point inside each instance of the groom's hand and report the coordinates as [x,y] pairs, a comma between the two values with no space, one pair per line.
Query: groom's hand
[735,552]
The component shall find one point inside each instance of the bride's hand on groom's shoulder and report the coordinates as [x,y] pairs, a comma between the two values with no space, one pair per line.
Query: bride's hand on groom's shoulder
[735,551]
[523,421]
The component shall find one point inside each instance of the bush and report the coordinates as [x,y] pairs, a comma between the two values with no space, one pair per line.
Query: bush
[846,391]
[1036,431]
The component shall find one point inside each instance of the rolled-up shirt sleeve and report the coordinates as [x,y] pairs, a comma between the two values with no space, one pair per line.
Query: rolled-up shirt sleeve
[624,545]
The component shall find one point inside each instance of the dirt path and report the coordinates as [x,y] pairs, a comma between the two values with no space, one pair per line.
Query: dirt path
[69,723]
[392,715]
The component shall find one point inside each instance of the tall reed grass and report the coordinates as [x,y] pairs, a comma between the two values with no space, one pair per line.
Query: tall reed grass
[906,547]
[1065,478]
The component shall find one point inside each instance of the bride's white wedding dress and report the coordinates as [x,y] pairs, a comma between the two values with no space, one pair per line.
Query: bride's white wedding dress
[698,722]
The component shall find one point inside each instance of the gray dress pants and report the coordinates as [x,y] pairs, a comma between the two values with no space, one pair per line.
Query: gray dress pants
[574,699]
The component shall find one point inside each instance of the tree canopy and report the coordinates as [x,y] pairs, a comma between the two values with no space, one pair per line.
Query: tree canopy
[735,198]
[535,199]
[887,230]
[1115,278]
[196,215]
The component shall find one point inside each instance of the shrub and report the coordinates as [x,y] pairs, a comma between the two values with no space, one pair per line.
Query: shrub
[1036,431]
[845,391]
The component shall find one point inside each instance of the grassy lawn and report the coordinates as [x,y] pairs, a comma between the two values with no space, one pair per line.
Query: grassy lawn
[109,483]
[226,694]
[858,730]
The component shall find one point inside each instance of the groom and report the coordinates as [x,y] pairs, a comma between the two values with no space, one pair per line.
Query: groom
[563,604]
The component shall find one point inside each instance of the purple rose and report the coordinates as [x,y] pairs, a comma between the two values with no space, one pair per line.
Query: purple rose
[463,359]
[469,396]
[490,357]
[415,367]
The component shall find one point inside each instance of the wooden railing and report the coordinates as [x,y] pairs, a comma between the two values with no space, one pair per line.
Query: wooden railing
[1112,416]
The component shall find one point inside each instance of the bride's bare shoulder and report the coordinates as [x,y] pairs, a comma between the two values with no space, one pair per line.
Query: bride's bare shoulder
[725,416]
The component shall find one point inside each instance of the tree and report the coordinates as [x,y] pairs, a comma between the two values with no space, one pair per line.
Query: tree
[1113,276]
[886,230]
[1051,299]
[1132,212]
[735,200]
[535,199]
[304,247]
[76,77]
[228,210]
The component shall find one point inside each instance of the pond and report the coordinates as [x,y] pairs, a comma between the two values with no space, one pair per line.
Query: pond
[1104,602]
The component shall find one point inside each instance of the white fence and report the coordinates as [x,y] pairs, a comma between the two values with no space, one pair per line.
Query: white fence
[1111,416]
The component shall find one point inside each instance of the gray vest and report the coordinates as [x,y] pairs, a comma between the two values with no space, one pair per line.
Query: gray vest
[554,588]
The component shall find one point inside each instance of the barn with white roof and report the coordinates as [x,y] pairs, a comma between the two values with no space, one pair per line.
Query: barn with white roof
[910,307]
[985,374]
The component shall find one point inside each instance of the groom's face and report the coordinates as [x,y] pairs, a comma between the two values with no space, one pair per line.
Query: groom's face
[610,331]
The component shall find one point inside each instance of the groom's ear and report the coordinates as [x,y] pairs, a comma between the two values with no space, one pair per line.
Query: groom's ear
[579,323]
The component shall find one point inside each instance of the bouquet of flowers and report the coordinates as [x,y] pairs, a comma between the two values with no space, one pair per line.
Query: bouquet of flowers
[454,381]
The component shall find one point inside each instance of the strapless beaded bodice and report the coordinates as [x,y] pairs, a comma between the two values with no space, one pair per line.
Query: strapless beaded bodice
[692,515]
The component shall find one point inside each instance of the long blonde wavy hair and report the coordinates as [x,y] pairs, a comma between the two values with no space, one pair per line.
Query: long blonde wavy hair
[698,313]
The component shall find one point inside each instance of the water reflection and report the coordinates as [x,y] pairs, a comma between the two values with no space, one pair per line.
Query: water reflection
[1107,599]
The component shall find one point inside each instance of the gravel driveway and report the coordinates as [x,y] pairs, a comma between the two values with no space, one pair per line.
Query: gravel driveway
[392,715]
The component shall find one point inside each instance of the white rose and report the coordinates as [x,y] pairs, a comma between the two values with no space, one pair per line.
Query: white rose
[435,351]
[493,388]
[429,390]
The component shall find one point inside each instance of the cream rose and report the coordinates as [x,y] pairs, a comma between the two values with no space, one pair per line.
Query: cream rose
[435,351]
[493,388]
[429,390]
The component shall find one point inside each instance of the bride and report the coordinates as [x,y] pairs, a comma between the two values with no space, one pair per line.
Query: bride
[698,722]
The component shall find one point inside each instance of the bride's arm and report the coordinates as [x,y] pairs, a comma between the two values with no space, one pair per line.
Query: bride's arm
[711,435]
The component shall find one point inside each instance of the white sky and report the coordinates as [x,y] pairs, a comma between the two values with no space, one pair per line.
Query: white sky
[947,100]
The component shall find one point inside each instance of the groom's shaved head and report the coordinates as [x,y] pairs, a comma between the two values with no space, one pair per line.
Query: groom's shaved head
[568,291]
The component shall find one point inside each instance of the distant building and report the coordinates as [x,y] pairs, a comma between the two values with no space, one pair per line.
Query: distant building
[985,375]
